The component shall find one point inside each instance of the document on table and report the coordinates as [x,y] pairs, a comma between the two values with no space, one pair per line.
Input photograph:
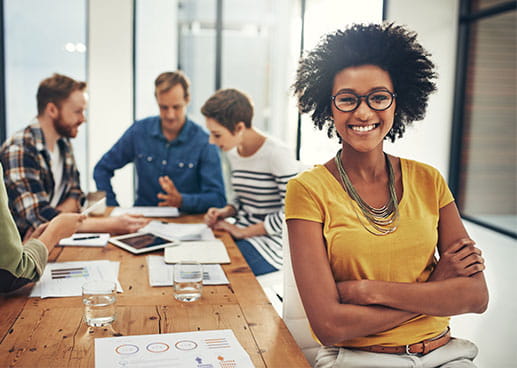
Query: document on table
[66,278]
[160,273]
[204,251]
[185,232]
[199,349]
[86,240]
[146,211]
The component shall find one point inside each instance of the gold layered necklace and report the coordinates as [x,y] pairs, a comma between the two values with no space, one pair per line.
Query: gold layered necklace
[383,220]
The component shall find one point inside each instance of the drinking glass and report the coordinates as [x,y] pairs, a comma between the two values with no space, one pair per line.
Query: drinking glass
[188,281]
[99,298]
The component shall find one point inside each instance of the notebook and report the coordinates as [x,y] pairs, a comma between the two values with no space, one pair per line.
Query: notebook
[86,240]
[205,251]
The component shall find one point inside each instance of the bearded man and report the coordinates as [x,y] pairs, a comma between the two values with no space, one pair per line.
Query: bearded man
[40,172]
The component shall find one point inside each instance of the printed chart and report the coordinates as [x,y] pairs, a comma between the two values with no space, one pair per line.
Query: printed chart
[66,273]
[66,278]
[200,349]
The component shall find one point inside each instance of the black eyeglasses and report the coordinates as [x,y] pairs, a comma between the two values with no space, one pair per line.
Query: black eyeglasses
[376,100]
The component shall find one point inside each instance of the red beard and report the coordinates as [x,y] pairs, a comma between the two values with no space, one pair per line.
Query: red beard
[64,130]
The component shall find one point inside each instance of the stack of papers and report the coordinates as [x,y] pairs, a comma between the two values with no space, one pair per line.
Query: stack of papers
[147,211]
[86,240]
[67,278]
[160,273]
[201,349]
[184,232]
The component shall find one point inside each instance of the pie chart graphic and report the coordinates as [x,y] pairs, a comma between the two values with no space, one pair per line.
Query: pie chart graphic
[157,347]
[185,345]
[127,349]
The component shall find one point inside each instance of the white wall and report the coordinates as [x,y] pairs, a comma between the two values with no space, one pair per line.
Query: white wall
[494,331]
[110,79]
[158,22]
[436,23]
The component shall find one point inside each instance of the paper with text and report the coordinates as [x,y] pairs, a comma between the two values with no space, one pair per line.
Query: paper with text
[160,273]
[199,349]
[66,278]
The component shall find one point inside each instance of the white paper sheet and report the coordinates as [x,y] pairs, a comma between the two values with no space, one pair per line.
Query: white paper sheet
[93,207]
[86,240]
[66,278]
[199,349]
[184,232]
[147,211]
[160,273]
[204,251]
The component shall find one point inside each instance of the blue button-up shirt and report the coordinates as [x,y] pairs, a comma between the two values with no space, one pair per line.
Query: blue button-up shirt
[189,160]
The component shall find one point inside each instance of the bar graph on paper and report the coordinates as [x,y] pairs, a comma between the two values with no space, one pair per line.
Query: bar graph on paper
[66,273]
[66,278]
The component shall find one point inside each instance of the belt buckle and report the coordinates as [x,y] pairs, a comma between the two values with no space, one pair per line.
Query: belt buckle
[408,352]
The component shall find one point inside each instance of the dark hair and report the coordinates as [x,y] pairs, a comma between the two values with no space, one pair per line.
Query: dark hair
[228,107]
[390,47]
[165,81]
[56,89]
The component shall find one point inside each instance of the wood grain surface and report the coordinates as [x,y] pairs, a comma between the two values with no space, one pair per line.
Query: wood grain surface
[50,332]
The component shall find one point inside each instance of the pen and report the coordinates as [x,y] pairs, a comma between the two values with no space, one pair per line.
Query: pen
[87,237]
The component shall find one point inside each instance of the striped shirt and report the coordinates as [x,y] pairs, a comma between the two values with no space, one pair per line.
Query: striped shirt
[259,183]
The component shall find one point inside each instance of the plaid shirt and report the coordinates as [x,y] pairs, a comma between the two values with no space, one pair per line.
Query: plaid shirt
[29,179]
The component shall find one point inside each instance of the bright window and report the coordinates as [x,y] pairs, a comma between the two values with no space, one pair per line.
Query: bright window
[42,38]
[486,181]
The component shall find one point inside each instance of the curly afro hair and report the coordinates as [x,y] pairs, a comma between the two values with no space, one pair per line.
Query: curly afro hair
[390,47]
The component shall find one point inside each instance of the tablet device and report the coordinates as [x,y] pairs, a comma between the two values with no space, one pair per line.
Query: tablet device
[142,242]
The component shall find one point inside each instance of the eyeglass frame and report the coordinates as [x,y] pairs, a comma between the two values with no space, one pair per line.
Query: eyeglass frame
[365,97]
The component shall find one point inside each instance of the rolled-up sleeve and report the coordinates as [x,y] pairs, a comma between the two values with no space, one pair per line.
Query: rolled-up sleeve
[19,264]
[118,156]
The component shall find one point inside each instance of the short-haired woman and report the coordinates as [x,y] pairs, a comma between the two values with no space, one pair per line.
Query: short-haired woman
[260,169]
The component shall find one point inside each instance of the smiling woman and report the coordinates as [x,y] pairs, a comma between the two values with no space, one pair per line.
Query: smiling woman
[367,223]
[362,126]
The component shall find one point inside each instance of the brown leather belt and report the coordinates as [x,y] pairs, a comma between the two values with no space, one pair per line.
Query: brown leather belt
[422,347]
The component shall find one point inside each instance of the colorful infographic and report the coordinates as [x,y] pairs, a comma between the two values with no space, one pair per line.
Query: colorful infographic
[200,349]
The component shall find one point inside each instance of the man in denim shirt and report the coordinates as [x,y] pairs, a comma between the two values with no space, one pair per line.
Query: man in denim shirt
[175,164]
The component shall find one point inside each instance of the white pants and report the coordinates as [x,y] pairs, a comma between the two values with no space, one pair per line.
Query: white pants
[457,353]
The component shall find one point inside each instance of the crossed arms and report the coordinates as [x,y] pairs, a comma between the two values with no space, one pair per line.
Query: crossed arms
[342,311]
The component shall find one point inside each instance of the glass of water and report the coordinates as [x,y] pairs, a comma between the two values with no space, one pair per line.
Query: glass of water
[188,281]
[99,298]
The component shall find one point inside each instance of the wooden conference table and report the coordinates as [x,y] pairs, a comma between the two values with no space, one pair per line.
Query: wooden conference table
[50,332]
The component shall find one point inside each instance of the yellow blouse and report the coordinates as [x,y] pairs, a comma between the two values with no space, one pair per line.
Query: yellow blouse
[407,255]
